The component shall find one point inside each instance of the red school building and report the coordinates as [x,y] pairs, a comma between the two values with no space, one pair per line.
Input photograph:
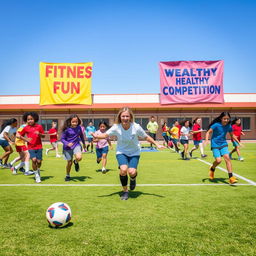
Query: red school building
[106,106]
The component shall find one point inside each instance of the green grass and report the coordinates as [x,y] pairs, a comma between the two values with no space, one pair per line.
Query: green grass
[176,220]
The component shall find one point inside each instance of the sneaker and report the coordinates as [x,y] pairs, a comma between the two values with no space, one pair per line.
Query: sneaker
[230,157]
[103,170]
[14,170]
[186,158]
[190,154]
[76,166]
[37,177]
[233,180]
[203,156]
[240,158]
[22,169]
[47,150]
[58,155]
[125,195]
[211,173]
[132,184]
[182,154]
[67,178]
[29,173]
[6,166]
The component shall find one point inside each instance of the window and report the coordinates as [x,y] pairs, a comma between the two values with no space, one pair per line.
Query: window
[170,121]
[205,123]
[47,123]
[95,122]
[246,123]
[142,121]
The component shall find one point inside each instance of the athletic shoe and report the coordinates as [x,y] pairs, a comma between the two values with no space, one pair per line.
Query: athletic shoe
[37,177]
[29,173]
[22,169]
[211,173]
[240,158]
[76,166]
[232,180]
[190,153]
[92,152]
[125,195]
[103,170]
[186,158]
[47,150]
[182,154]
[132,184]
[14,170]
[67,178]
[58,155]
[6,166]
[203,156]
[230,157]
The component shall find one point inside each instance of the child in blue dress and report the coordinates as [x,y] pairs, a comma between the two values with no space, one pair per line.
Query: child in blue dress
[219,127]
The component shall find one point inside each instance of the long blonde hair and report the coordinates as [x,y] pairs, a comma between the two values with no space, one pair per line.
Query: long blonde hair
[124,109]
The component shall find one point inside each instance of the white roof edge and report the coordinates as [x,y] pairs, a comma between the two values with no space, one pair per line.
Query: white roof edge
[121,98]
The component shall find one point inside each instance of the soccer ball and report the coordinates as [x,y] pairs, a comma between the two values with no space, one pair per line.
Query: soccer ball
[58,215]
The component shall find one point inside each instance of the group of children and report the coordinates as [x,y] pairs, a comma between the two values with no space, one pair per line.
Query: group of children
[27,140]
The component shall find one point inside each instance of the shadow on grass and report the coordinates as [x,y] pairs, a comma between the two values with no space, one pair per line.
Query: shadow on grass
[70,224]
[80,178]
[107,170]
[216,180]
[43,178]
[132,194]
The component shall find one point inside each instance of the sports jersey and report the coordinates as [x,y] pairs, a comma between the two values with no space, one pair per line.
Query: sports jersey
[18,141]
[186,131]
[72,135]
[101,143]
[9,130]
[220,131]
[175,132]
[152,127]
[198,135]
[89,130]
[127,140]
[237,130]
[53,138]
[31,131]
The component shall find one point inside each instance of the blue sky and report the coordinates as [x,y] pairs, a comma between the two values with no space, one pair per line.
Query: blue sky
[125,40]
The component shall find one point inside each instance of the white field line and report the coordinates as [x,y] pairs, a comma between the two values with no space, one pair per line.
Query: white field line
[117,185]
[224,170]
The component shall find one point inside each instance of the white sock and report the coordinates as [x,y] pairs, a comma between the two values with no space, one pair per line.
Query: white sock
[14,160]
[201,148]
[26,166]
[21,164]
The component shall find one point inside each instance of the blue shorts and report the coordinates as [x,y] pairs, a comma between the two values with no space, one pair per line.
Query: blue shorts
[219,152]
[36,153]
[197,142]
[90,139]
[183,141]
[130,161]
[235,144]
[4,143]
[101,151]
[175,141]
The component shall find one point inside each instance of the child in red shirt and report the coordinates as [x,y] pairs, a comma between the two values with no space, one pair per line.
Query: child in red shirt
[53,139]
[237,131]
[34,132]
[197,137]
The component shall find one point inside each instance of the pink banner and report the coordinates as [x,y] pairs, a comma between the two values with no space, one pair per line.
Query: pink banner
[191,82]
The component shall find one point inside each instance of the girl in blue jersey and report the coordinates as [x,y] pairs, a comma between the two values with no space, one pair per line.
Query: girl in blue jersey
[219,127]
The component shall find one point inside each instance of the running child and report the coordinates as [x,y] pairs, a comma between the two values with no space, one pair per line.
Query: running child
[53,139]
[88,131]
[24,156]
[237,130]
[219,127]
[185,132]
[71,136]
[128,147]
[174,135]
[102,146]
[165,129]
[34,132]
[197,137]
[7,134]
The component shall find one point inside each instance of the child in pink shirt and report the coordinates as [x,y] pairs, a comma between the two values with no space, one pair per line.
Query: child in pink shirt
[102,146]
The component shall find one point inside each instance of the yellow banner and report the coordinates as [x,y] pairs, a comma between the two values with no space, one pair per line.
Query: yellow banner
[65,83]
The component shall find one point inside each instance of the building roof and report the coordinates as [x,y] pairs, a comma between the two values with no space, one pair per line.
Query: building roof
[116,101]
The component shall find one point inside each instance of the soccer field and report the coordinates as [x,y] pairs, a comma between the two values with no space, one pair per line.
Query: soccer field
[174,210]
